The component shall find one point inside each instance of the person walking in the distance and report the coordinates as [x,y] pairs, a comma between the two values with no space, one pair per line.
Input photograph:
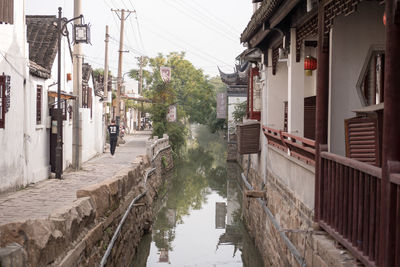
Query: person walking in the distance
[113,131]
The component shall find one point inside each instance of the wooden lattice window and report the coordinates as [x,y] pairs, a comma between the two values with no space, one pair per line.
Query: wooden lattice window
[39,91]
[7,11]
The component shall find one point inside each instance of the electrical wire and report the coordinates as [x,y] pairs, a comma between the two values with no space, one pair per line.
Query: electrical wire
[11,65]
[206,54]
[211,20]
[195,3]
[221,33]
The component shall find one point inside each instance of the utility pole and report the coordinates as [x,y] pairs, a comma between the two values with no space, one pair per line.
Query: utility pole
[77,88]
[140,89]
[105,86]
[121,46]
[59,148]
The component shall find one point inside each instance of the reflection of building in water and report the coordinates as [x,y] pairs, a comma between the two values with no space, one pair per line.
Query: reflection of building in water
[233,206]
[233,233]
[220,214]
[170,214]
[164,257]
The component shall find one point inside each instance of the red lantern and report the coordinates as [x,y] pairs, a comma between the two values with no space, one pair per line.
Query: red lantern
[310,64]
[384,19]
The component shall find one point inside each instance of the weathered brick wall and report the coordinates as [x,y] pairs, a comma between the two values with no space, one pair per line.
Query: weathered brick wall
[295,219]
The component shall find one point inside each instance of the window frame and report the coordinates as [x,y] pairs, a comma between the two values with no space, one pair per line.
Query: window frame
[373,51]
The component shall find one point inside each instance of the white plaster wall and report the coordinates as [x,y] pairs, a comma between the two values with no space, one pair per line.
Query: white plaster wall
[276,95]
[352,37]
[296,175]
[66,86]
[92,128]
[13,155]
[39,134]
[131,117]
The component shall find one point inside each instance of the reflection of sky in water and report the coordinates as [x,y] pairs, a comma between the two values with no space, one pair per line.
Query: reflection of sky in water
[196,241]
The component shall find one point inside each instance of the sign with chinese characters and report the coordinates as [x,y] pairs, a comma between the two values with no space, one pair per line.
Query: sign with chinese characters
[8,92]
[221,106]
[165,74]
[171,115]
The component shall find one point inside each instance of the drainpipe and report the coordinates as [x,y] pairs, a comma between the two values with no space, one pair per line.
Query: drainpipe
[293,250]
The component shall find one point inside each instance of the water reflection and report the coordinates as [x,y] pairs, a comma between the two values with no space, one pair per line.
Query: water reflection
[199,212]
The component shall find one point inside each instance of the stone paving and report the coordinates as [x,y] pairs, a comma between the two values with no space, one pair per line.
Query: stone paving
[44,198]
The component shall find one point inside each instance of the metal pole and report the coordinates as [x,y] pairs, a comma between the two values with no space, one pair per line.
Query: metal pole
[59,150]
[321,132]
[105,85]
[391,141]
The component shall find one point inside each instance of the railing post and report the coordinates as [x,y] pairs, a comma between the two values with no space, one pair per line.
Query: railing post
[321,129]
[391,133]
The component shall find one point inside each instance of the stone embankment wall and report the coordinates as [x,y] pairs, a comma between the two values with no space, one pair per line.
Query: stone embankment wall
[295,220]
[78,235]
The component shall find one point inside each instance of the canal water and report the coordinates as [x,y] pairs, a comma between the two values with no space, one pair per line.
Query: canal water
[198,215]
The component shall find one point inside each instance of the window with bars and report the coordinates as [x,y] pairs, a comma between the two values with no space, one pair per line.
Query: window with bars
[39,91]
[4,98]
[7,11]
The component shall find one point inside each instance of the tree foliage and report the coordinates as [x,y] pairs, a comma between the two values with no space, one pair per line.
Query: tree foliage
[189,89]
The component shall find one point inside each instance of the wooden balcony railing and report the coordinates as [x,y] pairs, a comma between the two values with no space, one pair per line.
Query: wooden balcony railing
[298,147]
[350,200]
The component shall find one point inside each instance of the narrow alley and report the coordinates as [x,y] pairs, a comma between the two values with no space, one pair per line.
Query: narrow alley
[250,133]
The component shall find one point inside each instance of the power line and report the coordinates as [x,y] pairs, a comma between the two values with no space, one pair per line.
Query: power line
[212,20]
[194,2]
[177,44]
[222,33]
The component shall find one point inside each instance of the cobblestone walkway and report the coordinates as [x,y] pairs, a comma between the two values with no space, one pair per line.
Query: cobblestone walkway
[42,199]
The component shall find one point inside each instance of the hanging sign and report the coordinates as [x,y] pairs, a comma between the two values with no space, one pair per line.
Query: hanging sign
[165,74]
[171,115]
[221,106]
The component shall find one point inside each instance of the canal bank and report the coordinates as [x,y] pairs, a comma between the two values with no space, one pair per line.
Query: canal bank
[199,212]
[90,204]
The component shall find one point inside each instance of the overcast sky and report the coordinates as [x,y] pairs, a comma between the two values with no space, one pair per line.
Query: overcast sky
[207,30]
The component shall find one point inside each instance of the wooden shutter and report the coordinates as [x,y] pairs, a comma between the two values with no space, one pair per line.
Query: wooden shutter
[2,100]
[309,117]
[362,140]
[7,11]
[39,104]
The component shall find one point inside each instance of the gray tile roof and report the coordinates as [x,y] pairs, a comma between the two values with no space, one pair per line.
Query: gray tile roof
[42,39]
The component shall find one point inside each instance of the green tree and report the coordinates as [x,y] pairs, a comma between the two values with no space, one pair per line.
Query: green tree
[189,89]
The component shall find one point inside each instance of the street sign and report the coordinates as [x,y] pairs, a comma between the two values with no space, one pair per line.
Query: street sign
[171,115]
[165,74]
[221,106]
